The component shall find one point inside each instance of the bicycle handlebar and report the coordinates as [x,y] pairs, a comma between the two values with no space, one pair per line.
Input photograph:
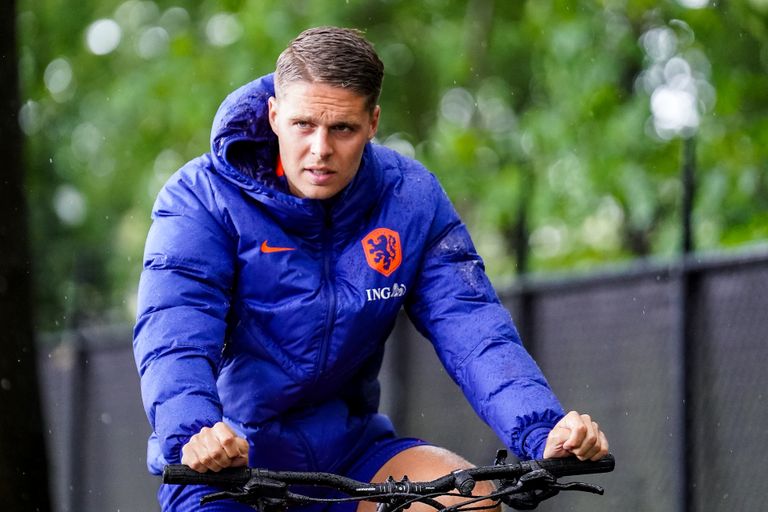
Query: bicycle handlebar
[524,484]
[237,477]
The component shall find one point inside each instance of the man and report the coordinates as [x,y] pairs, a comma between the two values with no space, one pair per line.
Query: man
[274,271]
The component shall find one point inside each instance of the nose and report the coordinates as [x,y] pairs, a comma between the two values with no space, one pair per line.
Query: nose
[321,144]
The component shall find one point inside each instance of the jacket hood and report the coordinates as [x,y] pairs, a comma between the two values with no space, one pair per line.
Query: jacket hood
[243,145]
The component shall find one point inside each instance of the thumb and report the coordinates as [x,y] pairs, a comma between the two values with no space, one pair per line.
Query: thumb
[555,441]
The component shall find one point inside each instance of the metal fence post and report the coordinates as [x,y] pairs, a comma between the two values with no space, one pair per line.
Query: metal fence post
[687,286]
[78,422]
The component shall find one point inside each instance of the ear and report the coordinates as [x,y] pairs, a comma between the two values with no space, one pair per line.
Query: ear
[272,105]
[374,122]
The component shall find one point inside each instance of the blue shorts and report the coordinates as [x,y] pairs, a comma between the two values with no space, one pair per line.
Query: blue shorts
[184,498]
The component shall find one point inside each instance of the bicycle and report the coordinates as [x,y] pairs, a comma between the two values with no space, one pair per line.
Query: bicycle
[521,485]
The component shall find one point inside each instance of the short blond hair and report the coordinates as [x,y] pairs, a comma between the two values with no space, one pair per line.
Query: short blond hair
[340,57]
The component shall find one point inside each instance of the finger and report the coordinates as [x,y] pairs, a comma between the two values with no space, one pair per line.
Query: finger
[604,448]
[211,453]
[188,457]
[558,436]
[191,456]
[227,439]
[242,448]
[241,453]
[579,430]
[600,447]
[590,444]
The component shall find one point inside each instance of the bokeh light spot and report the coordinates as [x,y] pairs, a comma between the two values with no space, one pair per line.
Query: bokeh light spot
[103,36]
[58,77]
[69,205]
[152,43]
[223,29]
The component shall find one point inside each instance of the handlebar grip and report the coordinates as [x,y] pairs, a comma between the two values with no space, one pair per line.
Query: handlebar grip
[571,466]
[227,477]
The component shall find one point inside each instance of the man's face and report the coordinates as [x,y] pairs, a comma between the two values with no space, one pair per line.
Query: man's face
[322,130]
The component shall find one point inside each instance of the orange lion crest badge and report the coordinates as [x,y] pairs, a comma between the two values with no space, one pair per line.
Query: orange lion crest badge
[382,250]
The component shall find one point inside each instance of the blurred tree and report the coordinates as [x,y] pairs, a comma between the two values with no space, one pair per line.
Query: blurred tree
[555,125]
[23,473]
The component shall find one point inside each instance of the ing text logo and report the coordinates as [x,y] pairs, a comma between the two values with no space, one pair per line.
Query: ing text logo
[387,292]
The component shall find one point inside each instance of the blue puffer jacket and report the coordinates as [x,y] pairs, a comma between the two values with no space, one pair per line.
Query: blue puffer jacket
[270,312]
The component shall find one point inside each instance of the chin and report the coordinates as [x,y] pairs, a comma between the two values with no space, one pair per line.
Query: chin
[317,194]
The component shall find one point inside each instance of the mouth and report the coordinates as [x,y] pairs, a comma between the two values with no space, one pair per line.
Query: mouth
[319,171]
[320,176]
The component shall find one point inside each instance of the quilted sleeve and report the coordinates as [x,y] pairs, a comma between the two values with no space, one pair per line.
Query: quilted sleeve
[183,301]
[455,306]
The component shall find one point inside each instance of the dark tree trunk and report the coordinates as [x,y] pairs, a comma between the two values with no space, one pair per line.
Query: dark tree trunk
[23,465]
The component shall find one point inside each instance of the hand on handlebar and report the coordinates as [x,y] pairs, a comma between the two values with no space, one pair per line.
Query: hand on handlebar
[215,448]
[576,434]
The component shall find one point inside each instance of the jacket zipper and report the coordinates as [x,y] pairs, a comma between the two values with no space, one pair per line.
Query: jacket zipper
[331,290]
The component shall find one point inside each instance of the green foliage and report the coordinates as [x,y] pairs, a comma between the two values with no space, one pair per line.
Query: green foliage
[541,107]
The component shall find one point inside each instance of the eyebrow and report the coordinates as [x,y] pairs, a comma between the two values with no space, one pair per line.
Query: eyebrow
[337,124]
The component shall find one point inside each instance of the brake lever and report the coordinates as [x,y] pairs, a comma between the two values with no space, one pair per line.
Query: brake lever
[257,488]
[581,486]
[222,495]
[532,488]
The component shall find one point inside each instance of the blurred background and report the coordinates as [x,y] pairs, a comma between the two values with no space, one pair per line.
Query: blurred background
[610,158]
